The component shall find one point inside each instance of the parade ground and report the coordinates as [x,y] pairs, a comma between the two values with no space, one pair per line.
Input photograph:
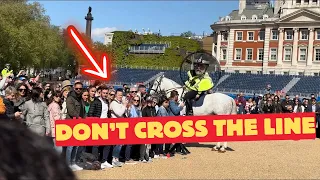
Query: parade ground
[243,160]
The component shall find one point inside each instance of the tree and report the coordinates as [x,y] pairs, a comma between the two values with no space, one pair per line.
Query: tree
[186,34]
[27,39]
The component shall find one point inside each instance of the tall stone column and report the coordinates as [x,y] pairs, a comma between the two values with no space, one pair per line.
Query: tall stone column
[230,48]
[295,47]
[219,46]
[266,50]
[310,46]
[89,19]
[280,46]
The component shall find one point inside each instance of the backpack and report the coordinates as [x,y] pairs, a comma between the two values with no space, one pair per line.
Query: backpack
[89,161]
[2,106]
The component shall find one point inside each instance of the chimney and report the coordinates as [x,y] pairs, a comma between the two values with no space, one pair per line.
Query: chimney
[277,5]
[242,5]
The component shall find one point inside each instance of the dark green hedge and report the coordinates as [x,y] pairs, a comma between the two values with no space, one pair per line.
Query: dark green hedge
[172,57]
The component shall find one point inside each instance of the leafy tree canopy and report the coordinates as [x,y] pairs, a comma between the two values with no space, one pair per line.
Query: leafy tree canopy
[27,39]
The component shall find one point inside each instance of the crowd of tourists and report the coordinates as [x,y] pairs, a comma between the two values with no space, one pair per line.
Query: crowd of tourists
[273,103]
[39,104]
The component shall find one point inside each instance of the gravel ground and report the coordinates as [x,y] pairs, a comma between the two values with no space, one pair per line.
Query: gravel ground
[245,160]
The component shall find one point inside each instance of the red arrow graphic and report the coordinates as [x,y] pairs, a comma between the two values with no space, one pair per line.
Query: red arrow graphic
[104,73]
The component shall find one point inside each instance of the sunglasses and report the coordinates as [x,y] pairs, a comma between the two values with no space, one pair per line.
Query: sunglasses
[78,89]
[134,91]
[136,100]
[111,94]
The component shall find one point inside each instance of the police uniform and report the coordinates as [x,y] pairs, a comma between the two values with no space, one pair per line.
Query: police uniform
[6,70]
[197,84]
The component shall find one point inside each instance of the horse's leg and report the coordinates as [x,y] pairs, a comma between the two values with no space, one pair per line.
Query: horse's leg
[216,147]
[223,148]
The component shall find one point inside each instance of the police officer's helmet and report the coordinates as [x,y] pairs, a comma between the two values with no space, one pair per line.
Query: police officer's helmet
[7,65]
[201,61]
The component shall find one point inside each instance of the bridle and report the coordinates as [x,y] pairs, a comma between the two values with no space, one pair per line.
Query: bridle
[158,91]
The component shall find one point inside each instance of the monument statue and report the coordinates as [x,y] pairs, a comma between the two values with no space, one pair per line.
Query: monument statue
[89,20]
[90,9]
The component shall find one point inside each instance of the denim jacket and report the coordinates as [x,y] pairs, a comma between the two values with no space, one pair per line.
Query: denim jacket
[162,111]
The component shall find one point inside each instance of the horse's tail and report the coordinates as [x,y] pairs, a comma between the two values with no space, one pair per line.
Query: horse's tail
[234,107]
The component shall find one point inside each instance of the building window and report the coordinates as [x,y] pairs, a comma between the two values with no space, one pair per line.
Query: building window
[318,35]
[298,1]
[260,54]
[228,18]
[301,73]
[239,36]
[248,72]
[287,54]
[237,71]
[250,36]
[303,54]
[316,74]
[286,73]
[304,35]
[223,54]
[261,35]
[259,72]
[243,17]
[271,72]
[265,16]
[249,54]
[317,55]
[314,1]
[306,1]
[224,36]
[289,35]
[254,17]
[273,54]
[238,54]
[274,35]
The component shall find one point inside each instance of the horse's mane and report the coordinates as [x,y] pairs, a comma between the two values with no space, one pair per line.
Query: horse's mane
[175,84]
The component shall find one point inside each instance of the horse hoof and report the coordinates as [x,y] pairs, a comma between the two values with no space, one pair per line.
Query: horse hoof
[214,149]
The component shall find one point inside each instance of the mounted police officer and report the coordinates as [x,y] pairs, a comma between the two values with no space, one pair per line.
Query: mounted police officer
[198,81]
[6,70]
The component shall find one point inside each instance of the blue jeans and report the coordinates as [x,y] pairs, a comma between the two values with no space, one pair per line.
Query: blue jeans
[57,148]
[116,151]
[105,152]
[80,150]
[128,152]
[71,154]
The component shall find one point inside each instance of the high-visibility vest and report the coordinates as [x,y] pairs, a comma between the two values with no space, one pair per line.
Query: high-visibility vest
[201,84]
[5,72]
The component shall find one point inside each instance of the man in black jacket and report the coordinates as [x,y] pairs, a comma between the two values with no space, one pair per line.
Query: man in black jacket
[148,111]
[99,108]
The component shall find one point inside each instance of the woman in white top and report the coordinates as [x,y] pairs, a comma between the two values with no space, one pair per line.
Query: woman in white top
[65,92]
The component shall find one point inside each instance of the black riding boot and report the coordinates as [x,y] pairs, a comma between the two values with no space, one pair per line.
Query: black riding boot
[189,107]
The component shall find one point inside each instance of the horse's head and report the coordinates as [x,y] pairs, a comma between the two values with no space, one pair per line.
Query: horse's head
[156,86]
[163,86]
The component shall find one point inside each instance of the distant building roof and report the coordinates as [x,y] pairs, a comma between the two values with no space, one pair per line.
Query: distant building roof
[234,15]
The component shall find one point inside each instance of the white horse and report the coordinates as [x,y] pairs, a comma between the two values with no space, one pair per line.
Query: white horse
[210,104]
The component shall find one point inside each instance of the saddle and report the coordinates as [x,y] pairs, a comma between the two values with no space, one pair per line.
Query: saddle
[189,104]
